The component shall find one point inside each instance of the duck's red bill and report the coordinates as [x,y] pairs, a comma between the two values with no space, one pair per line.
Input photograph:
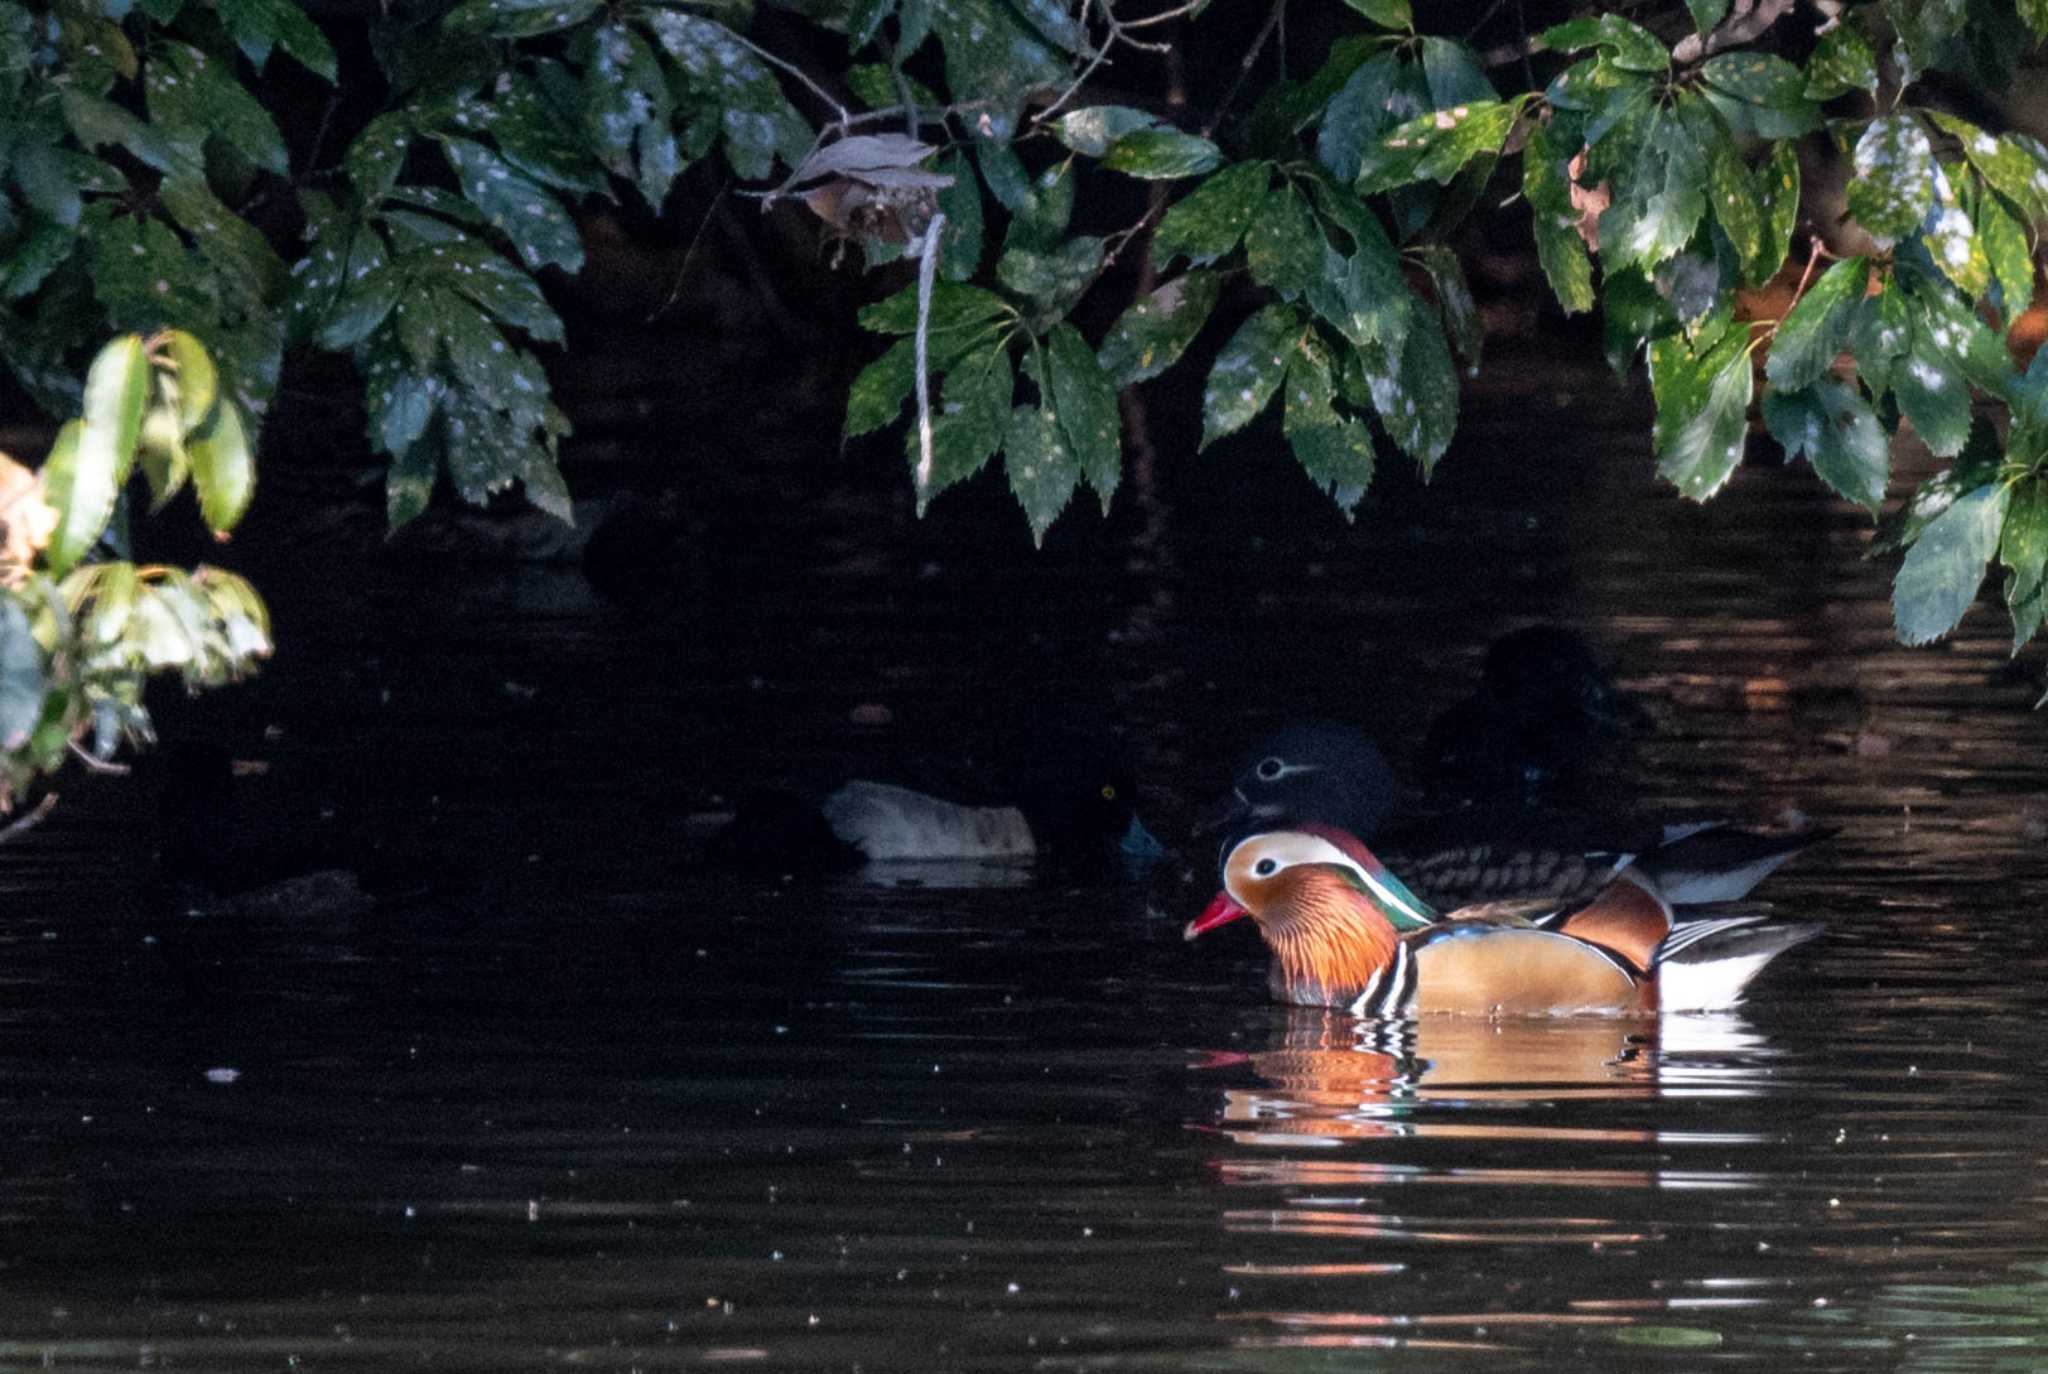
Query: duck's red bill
[1222,911]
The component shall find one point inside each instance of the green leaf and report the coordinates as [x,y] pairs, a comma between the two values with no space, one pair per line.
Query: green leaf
[1942,571]
[955,305]
[1454,301]
[1055,280]
[244,264]
[1334,450]
[525,212]
[1732,194]
[1834,427]
[1816,329]
[1149,337]
[198,384]
[99,123]
[1700,452]
[223,468]
[2035,12]
[2004,240]
[1209,221]
[1041,470]
[1930,390]
[187,88]
[1777,183]
[536,134]
[1951,239]
[1659,206]
[1360,111]
[1093,130]
[879,391]
[257,26]
[1893,188]
[518,18]
[1417,400]
[409,485]
[1388,14]
[1842,62]
[968,423]
[22,683]
[1436,145]
[2023,548]
[1707,13]
[1979,464]
[1627,46]
[1085,399]
[1546,183]
[362,307]
[993,54]
[1363,296]
[1283,246]
[1248,371]
[1761,94]
[1162,155]
[1453,75]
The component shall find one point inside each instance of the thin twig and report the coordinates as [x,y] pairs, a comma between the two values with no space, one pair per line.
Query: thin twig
[689,255]
[95,764]
[1244,68]
[772,60]
[22,824]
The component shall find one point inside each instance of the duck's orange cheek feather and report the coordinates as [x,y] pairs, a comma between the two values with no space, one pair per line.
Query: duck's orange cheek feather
[1221,911]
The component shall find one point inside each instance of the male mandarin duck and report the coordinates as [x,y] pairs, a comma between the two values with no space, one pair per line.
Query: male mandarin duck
[1346,933]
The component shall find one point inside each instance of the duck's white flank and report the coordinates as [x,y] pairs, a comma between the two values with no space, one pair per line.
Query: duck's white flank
[887,823]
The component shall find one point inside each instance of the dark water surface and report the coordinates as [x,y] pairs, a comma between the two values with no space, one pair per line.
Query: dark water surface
[564,1101]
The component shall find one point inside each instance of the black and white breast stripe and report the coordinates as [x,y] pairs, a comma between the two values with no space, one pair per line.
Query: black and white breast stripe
[1689,933]
[1391,991]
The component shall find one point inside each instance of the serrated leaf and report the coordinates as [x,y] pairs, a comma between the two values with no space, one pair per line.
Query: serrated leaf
[1943,570]
[1932,393]
[1842,61]
[22,682]
[1149,337]
[1055,279]
[1732,193]
[537,134]
[258,26]
[1248,371]
[992,52]
[1703,448]
[1452,74]
[1658,207]
[186,87]
[1546,184]
[954,305]
[223,468]
[1092,131]
[363,306]
[409,484]
[1777,182]
[1951,239]
[1627,46]
[197,381]
[2004,240]
[2023,549]
[879,390]
[968,423]
[1283,246]
[1762,94]
[1893,188]
[1454,301]
[1417,397]
[1209,221]
[960,246]
[1042,472]
[1334,450]
[1834,428]
[1162,155]
[1363,297]
[1085,400]
[1816,329]
[530,216]
[244,264]
[1435,146]
[82,496]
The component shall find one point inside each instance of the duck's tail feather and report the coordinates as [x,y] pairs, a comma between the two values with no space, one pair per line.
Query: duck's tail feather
[1708,960]
[1719,863]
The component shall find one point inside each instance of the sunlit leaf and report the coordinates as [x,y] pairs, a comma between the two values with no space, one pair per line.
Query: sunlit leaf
[1943,570]
[1701,447]
[223,468]
[1092,130]
[1152,334]
[2004,241]
[1627,46]
[1834,428]
[1760,94]
[1435,146]
[1842,61]
[1951,239]
[1816,329]
[1162,155]
[1248,371]
[1893,188]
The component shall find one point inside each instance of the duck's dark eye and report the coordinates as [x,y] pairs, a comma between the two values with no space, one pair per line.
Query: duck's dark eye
[1270,769]
[1265,867]
[1109,791]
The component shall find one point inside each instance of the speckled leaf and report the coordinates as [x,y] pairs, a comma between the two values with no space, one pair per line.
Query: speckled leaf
[1162,155]
[1417,398]
[536,134]
[1149,337]
[880,389]
[401,408]
[969,420]
[1834,428]
[1334,450]
[243,262]
[1085,399]
[1091,131]
[1777,183]
[519,18]
[954,305]
[377,156]
[1701,451]
[992,53]
[2006,163]
[961,246]
[362,306]
[185,87]
[1659,206]
[22,683]
[1363,297]
[1761,94]
[1454,301]
[223,468]
[1951,238]
[2004,240]
[1562,253]
[1209,221]
[257,26]
[624,89]
[1979,463]
[1041,470]
[1436,145]
[99,123]
[1842,61]
[1627,46]
[526,213]
[1248,371]
[1732,194]
[1055,279]
[1933,393]
[1942,571]
[1007,179]
[1283,245]
[1816,329]
[1893,188]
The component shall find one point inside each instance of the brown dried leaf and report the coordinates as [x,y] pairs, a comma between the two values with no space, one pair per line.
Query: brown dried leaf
[26,520]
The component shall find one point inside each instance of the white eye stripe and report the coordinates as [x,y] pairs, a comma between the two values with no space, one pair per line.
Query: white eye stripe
[1279,770]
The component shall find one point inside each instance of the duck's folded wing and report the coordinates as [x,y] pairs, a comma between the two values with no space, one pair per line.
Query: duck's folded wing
[1489,970]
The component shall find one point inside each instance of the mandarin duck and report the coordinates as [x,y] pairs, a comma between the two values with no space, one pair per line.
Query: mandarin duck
[1345,932]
